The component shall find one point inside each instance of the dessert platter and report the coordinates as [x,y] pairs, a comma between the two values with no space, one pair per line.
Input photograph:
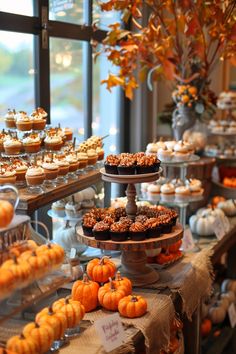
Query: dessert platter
[152,227]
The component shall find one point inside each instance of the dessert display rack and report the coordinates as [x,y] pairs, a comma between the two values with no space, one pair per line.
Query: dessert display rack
[133,255]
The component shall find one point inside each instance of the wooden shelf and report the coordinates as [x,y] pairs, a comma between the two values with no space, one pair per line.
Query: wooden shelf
[29,203]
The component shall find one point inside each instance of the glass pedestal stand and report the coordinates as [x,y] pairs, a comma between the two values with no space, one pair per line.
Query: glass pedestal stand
[133,258]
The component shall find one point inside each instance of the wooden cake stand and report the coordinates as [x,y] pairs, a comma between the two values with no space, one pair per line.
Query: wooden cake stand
[133,255]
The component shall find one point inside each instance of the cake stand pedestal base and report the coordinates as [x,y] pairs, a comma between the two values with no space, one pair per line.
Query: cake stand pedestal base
[134,267]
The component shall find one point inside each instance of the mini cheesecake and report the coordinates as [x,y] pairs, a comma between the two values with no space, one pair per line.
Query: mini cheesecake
[12,146]
[50,170]
[35,176]
[23,121]
[39,116]
[10,121]
[32,143]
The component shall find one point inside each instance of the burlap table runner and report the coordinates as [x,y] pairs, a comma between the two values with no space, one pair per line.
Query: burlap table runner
[191,278]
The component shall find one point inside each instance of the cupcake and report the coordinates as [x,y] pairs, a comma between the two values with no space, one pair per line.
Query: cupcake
[92,157]
[195,186]
[62,164]
[164,154]
[50,170]
[153,227]
[68,134]
[137,231]
[35,176]
[154,189]
[82,158]
[119,212]
[141,218]
[126,220]
[20,168]
[101,231]
[167,192]
[181,152]
[100,153]
[10,121]
[182,193]
[39,118]
[23,121]
[3,137]
[151,149]
[32,143]
[126,166]
[147,164]
[12,146]
[88,223]
[58,208]
[53,142]
[73,162]
[73,210]
[119,231]
[7,175]
[111,163]
[170,144]
[165,223]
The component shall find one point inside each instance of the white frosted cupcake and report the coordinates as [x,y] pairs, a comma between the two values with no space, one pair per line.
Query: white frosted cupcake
[181,152]
[195,186]
[164,154]
[151,149]
[170,144]
[182,193]
[58,208]
[154,189]
[73,210]
[167,192]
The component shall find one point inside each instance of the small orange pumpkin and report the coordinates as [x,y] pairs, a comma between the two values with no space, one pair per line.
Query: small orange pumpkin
[22,345]
[57,320]
[86,291]
[6,351]
[7,280]
[175,246]
[101,270]
[206,327]
[6,213]
[20,269]
[39,263]
[132,306]
[54,252]
[122,282]
[73,310]
[109,297]
[217,199]
[43,335]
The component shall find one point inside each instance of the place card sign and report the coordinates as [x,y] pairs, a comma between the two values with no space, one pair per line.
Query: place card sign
[220,227]
[188,242]
[232,315]
[110,331]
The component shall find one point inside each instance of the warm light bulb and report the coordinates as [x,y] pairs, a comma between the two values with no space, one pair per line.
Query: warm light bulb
[112,148]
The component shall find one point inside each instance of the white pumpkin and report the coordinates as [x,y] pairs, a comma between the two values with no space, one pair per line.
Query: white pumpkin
[66,237]
[202,222]
[211,211]
[217,314]
[153,252]
[228,207]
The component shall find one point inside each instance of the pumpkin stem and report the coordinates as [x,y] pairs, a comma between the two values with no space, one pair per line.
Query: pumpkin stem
[134,298]
[36,325]
[112,285]
[85,278]
[22,336]
[50,310]
[118,276]
[67,299]
[34,254]
[101,262]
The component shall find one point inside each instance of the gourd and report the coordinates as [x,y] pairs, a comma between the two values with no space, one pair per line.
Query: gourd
[206,326]
[132,306]
[101,270]
[7,280]
[43,335]
[6,213]
[216,200]
[229,295]
[20,270]
[54,252]
[228,207]
[73,310]
[217,314]
[66,237]
[39,264]
[6,351]
[109,297]
[86,291]
[202,222]
[57,320]
[153,252]
[22,345]
[123,282]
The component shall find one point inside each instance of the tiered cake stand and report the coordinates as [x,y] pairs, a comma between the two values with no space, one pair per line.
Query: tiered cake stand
[133,255]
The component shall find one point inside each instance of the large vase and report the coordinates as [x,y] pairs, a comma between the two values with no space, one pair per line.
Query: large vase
[183,118]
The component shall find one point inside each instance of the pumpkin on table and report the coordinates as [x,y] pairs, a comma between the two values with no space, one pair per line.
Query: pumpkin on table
[202,223]
[123,282]
[57,320]
[54,252]
[20,269]
[101,270]
[228,207]
[216,200]
[22,345]
[109,297]
[6,213]
[73,310]
[217,314]
[6,351]
[86,291]
[41,334]
[132,306]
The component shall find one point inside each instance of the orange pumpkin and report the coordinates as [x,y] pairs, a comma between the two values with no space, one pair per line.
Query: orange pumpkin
[57,320]
[217,199]
[20,269]
[109,297]
[43,335]
[6,213]
[122,282]
[6,351]
[18,247]
[132,306]
[101,270]
[7,280]
[174,247]
[86,291]
[163,258]
[22,345]
[73,310]
[206,327]
[39,263]
[54,252]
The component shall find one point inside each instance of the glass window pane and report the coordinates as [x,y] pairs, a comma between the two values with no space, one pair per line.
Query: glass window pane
[66,84]
[105,108]
[16,73]
[104,18]
[19,7]
[70,11]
